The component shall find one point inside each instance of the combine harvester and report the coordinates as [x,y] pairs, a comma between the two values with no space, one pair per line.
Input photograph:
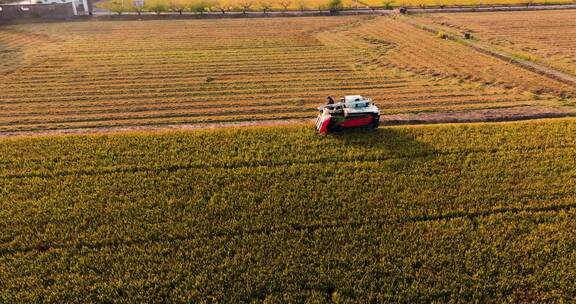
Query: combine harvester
[352,111]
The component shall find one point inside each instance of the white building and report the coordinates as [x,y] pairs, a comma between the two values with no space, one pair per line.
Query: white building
[80,7]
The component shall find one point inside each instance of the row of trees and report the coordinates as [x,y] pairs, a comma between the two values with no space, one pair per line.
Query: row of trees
[222,6]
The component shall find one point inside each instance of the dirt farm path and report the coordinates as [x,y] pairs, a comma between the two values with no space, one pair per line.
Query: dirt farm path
[486,115]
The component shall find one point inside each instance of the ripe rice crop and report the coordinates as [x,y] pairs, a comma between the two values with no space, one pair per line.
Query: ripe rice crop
[201,71]
[452,213]
[547,37]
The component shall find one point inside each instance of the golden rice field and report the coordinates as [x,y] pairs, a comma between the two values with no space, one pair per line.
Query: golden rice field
[97,75]
[465,213]
[547,37]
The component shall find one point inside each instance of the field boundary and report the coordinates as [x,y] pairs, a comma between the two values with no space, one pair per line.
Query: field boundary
[341,12]
[344,11]
[128,16]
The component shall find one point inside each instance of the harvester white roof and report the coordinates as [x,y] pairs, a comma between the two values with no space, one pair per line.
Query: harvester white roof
[352,98]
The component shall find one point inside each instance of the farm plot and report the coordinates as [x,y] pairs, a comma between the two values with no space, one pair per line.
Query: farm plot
[151,73]
[547,37]
[473,213]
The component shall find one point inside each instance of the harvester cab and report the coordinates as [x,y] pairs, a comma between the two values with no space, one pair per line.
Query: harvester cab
[353,111]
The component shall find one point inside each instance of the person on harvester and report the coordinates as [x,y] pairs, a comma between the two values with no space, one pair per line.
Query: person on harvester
[330,100]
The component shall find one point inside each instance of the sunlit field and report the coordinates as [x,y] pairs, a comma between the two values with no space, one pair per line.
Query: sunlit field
[473,213]
[155,73]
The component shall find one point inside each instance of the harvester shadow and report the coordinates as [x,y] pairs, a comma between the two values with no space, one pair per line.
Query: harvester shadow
[391,142]
[390,153]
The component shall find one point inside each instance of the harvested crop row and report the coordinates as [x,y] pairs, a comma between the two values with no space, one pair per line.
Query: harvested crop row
[201,70]
[147,105]
[152,120]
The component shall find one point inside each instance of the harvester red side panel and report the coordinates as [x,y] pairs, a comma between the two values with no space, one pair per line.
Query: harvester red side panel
[358,122]
[324,127]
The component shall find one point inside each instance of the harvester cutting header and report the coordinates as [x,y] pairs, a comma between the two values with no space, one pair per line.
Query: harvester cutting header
[353,111]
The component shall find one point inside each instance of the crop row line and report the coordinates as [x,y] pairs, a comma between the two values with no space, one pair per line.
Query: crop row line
[211,73]
[291,227]
[161,122]
[56,73]
[252,164]
[190,77]
[223,106]
[210,109]
[255,63]
[221,93]
[175,88]
[383,94]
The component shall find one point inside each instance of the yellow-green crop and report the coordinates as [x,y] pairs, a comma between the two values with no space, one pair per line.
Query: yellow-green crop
[451,213]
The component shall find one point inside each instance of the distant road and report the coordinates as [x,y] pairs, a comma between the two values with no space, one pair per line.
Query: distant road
[492,8]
